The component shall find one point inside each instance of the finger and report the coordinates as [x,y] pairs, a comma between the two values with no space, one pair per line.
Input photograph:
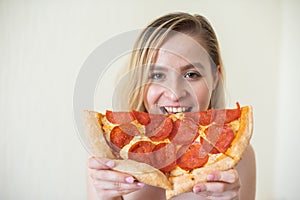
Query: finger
[230,176]
[231,194]
[100,163]
[110,175]
[108,185]
[216,187]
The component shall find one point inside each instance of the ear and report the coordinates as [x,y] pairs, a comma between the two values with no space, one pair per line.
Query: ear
[217,76]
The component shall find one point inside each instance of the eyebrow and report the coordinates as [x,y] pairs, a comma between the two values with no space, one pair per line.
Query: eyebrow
[192,66]
[158,67]
[182,68]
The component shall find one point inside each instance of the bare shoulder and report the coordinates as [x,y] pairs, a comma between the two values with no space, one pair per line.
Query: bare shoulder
[247,173]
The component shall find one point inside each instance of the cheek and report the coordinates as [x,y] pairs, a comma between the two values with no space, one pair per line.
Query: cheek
[202,96]
[152,95]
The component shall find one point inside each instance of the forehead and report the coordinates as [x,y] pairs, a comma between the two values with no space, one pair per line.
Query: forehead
[181,50]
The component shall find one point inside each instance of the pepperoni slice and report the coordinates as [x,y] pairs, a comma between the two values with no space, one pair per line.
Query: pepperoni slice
[182,150]
[186,131]
[119,138]
[221,116]
[159,128]
[142,152]
[193,158]
[174,131]
[164,157]
[155,123]
[225,116]
[195,116]
[207,147]
[142,117]
[129,129]
[205,117]
[119,117]
[220,136]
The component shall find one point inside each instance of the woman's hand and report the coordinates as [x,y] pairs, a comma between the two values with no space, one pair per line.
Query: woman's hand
[223,185]
[110,184]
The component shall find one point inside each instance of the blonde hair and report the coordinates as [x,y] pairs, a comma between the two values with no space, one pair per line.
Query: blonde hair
[149,41]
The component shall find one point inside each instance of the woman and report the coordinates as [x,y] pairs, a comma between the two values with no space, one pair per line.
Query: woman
[175,67]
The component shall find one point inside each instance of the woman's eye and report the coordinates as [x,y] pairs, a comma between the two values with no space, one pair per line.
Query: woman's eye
[192,75]
[157,76]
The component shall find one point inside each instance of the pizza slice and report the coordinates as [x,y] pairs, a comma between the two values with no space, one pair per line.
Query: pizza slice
[173,151]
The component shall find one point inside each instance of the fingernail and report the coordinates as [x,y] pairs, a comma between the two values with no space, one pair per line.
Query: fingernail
[210,177]
[197,189]
[110,163]
[140,184]
[129,179]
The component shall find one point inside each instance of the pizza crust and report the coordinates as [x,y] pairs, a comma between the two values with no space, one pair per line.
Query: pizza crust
[186,182]
[99,147]
[242,138]
[94,135]
[143,173]
[149,175]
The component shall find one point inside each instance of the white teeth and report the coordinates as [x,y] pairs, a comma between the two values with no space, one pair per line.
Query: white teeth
[175,109]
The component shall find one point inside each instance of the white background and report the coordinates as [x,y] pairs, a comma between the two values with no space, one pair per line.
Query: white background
[43,45]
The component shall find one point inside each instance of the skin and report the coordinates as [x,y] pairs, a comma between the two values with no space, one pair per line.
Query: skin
[238,183]
[180,77]
[176,80]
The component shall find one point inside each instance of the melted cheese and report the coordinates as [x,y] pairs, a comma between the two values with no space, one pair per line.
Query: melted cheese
[235,125]
[107,127]
[213,158]
[125,149]
[177,171]
[139,126]
[176,116]
[138,138]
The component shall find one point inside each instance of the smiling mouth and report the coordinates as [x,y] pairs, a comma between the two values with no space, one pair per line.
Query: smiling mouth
[173,110]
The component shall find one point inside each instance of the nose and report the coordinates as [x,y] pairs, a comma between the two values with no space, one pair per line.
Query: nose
[175,91]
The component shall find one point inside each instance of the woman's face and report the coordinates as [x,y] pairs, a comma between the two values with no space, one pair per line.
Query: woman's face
[181,79]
